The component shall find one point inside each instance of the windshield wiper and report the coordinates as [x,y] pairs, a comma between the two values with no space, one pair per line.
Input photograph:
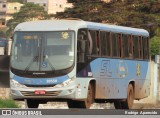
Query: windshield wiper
[35,58]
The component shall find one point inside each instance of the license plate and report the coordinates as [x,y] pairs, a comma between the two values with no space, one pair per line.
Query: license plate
[39,92]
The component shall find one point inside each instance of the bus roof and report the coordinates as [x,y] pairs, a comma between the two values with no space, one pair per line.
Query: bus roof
[59,25]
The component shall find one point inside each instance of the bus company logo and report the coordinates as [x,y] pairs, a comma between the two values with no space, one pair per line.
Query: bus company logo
[65,35]
[122,69]
[138,69]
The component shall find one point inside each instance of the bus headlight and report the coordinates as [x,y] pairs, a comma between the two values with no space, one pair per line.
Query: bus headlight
[16,84]
[65,83]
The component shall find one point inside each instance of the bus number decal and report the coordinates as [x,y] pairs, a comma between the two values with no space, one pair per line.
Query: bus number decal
[105,69]
[52,81]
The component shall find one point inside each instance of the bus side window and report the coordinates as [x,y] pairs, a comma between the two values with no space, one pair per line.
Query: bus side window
[103,43]
[136,47]
[140,47]
[114,45]
[81,46]
[145,48]
[93,37]
[98,44]
[108,41]
[120,53]
[130,47]
[125,46]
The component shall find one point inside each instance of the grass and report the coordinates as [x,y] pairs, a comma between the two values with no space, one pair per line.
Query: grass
[8,103]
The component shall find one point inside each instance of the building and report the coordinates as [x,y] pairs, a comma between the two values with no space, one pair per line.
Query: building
[55,6]
[52,6]
[3,8]
[12,8]
[6,11]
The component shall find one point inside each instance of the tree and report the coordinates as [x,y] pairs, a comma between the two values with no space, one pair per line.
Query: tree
[132,13]
[28,12]
[86,10]
[20,1]
[155,44]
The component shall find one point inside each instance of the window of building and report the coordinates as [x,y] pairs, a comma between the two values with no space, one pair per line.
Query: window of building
[15,8]
[3,22]
[60,6]
[3,6]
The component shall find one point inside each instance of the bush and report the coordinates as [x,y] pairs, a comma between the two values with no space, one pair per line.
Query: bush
[155,46]
[8,103]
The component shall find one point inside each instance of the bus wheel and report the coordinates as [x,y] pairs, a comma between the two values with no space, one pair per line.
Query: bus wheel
[128,104]
[117,105]
[90,97]
[31,103]
[86,103]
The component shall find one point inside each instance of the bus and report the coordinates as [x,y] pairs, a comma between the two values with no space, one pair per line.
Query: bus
[79,62]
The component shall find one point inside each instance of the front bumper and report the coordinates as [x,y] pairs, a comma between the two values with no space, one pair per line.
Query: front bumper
[68,92]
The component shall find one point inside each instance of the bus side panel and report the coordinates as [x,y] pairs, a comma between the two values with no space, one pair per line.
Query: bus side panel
[113,77]
[143,84]
[82,84]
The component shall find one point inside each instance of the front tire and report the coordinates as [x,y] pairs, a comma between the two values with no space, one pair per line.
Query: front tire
[86,103]
[90,97]
[31,103]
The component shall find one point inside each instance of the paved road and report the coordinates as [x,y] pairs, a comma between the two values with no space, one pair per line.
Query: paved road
[63,105]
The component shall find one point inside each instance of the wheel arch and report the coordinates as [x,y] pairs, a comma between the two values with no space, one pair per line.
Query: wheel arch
[93,84]
[133,84]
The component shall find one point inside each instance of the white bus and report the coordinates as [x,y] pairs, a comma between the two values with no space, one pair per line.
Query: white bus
[79,62]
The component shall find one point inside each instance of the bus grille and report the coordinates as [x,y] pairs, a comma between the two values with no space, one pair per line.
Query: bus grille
[48,93]
[40,85]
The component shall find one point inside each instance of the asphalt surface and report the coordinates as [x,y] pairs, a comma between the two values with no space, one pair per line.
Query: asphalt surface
[63,105]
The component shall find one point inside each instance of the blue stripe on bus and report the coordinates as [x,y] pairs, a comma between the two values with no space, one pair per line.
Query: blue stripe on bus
[40,81]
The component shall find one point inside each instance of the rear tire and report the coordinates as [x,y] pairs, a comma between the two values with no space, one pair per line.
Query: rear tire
[117,105]
[128,104]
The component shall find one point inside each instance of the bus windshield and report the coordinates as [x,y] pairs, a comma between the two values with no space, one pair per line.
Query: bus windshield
[42,51]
